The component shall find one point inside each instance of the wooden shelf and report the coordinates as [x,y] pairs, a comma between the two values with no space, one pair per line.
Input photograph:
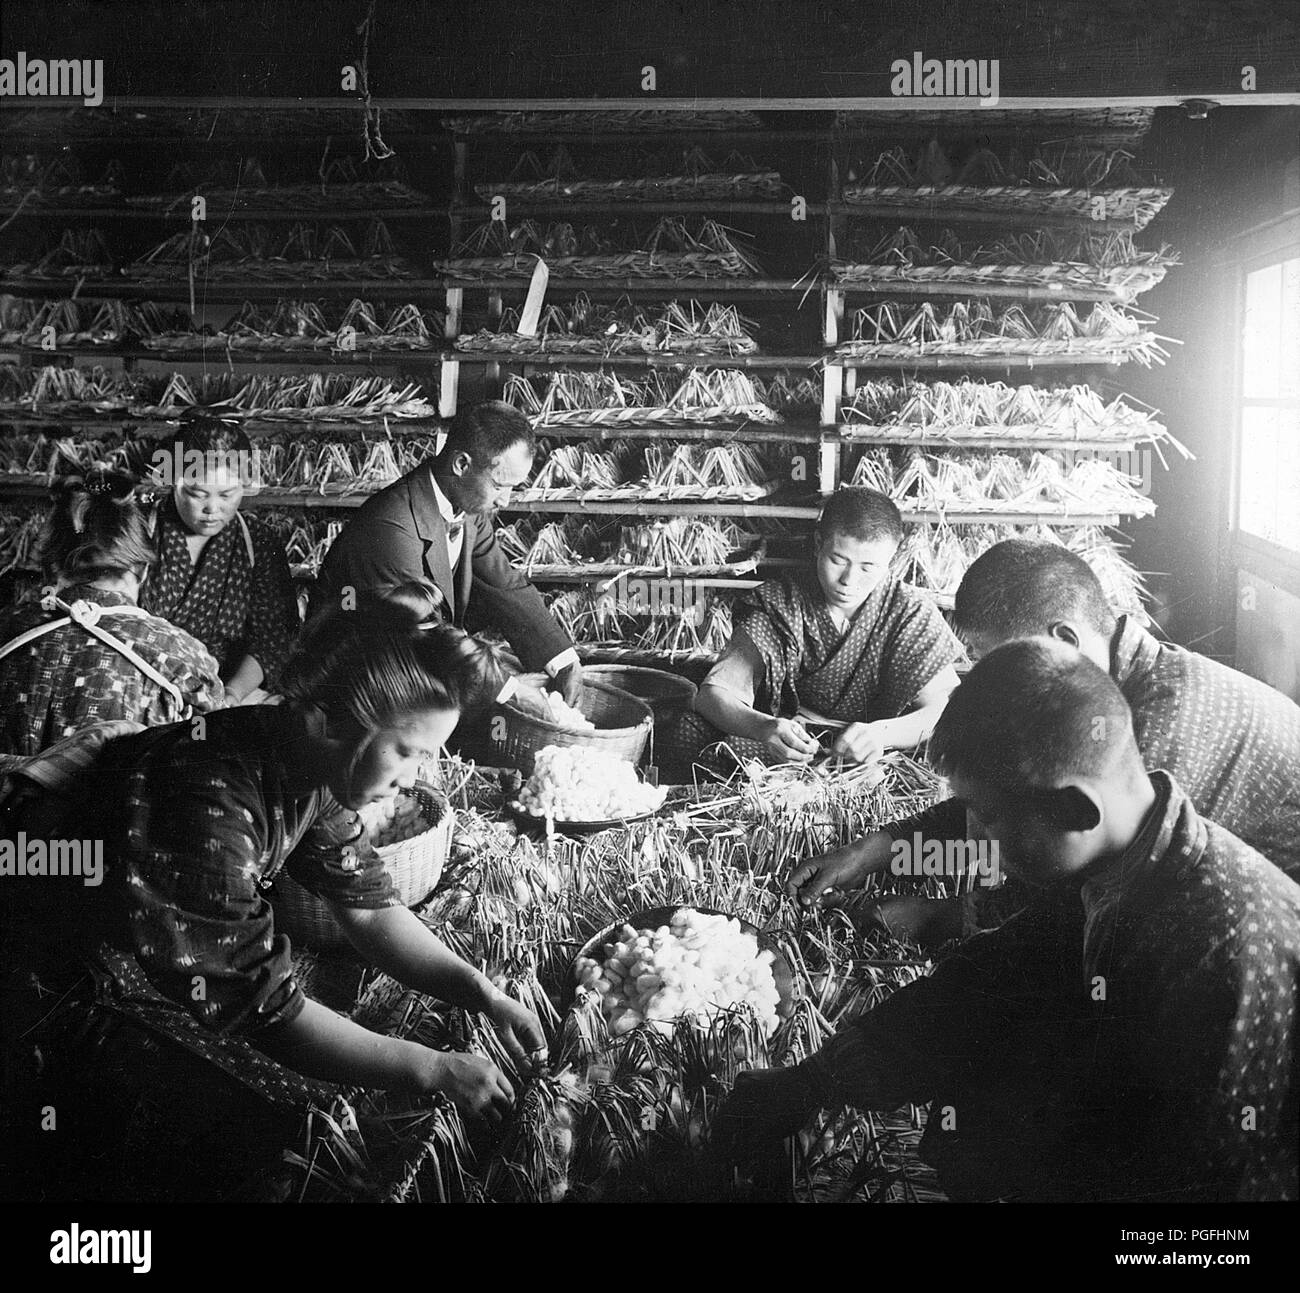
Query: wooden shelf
[421,290]
[979,287]
[634,360]
[210,291]
[216,216]
[938,362]
[851,435]
[759,433]
[668,507]
[72,424]
[431,356]
[911,516]
[657,287]
[235,358]
[938,213]
[521,206]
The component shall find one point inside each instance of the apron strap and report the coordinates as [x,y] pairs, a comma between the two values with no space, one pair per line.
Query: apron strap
[87,615]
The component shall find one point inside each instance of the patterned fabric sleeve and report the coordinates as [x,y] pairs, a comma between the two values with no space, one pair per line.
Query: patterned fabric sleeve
[273,623]
[199,677]
[336,861]
[197,839]
[920,647]
[185,661]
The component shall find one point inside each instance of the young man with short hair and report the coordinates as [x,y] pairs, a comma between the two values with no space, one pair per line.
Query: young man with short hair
[844,644]
[1232,742]
[434,527]
[1129,1036]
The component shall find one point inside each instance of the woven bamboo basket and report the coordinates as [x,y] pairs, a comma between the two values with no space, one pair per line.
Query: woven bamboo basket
[414,864]
[669,695]
[623,726]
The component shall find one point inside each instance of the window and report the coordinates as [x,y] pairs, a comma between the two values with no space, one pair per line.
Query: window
[1268,493]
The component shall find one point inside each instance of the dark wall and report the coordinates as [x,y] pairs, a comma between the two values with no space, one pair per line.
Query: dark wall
[585,48]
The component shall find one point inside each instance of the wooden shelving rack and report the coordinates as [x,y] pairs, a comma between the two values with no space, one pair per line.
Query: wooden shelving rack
[811,304]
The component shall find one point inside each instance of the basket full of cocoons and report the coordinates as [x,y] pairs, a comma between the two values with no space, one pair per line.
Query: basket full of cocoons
[577,789]
[410,832]
[608,720]
[668,962]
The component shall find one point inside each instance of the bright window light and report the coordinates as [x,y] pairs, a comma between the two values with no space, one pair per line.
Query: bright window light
[1268,497]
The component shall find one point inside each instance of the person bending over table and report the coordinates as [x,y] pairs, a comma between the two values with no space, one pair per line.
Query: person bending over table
[1130,1036]
[221,576]
[195,824]
[434,527]
[845,644]
[1232,742]
[83,651]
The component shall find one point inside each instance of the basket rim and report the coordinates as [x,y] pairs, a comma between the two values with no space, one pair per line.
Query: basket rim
[428,794]
[647,714]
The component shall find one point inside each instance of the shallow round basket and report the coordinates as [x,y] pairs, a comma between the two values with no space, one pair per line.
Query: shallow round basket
[414,864]
[652,918]
[623,726]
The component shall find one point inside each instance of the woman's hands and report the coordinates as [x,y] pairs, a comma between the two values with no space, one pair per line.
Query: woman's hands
[518,1028]
[473,1084]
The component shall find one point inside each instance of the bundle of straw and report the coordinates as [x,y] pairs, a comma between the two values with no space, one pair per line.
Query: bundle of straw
[27,181]
[935,556]
[887,331]
[272,253]
[672,250]
[603,397]
[697,179]
[20,529]
[1061,261]
[309,325]
[587,328]
[601,121]
[23,322]
[685,544]
[290,398]
[970,409]
[1138,206]
[1030,482]
[80,253]
[338,187]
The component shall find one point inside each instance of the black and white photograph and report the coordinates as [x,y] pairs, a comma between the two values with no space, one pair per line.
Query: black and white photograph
[692,602]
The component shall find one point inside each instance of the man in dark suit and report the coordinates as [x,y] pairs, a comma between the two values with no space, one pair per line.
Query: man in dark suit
[433,527]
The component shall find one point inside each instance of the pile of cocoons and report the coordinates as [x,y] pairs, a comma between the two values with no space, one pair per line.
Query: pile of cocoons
[575,783]
[696,964]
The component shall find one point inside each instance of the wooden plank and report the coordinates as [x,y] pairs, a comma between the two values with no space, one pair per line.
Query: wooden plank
[1223,97]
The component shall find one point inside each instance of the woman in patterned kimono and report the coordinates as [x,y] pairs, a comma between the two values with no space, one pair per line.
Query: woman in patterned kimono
[221,576]
[845,647]
[84,652]
[195,821]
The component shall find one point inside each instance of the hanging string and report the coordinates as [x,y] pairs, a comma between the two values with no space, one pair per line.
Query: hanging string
[371,136]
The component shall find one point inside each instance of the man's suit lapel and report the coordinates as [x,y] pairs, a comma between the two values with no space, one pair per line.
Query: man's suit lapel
[432,531]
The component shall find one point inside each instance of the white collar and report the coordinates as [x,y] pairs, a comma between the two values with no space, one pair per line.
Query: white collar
[445,508]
